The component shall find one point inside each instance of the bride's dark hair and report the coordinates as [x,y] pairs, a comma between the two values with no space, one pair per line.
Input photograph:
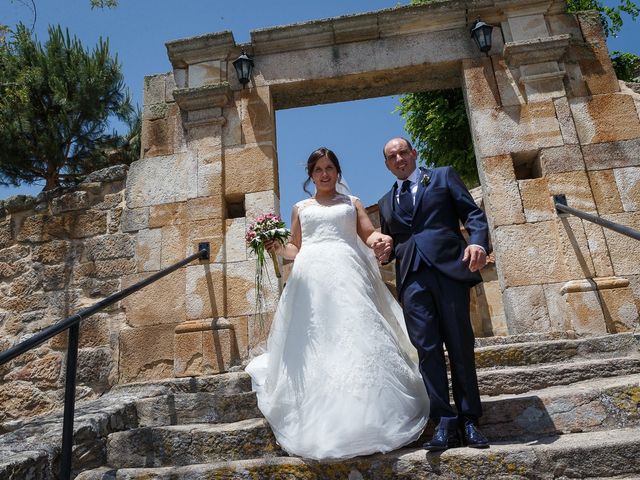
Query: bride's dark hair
[313,159]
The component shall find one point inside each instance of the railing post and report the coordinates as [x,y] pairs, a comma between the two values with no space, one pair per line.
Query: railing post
[69,402]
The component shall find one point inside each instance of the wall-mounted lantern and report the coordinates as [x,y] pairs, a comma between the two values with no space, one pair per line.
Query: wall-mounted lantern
[481,34]
[244,66]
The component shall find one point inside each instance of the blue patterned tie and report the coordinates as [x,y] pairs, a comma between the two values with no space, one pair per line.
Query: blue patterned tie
[405,201]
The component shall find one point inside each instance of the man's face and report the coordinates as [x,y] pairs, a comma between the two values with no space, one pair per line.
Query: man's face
[399,159]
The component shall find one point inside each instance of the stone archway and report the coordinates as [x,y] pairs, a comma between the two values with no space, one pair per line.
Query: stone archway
[545,111]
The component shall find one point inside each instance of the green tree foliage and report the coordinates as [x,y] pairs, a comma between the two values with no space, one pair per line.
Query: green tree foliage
[56,102]
[437,120]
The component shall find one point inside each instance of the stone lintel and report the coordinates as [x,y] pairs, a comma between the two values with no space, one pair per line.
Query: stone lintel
[538,50]
[522,7]
[212,46]
[592,284]
[202,98]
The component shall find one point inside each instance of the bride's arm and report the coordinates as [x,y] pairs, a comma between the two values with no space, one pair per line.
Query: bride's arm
[366,232]
[292,247]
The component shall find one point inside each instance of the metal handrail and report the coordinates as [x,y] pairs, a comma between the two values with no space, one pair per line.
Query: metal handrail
[560,202]
[72,324]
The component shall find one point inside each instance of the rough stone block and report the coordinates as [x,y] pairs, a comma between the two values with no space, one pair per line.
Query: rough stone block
[162,302]
[605,191]
[544,252]
[605,118]
[232,128]
[528,27]
[624,251]
[507,83]
[70,201]
[501,192]
[206,73]
[188,353]
[526,309]
[259,203]
[148,248]
[260,177]
[89,224]
[52,252]
[628,182]
[210,179]
[41,228]
[240,289]
[146,353]
[258,115]
[235,247]
[154,86]
[565,119]
[134,219]
[593,58]
[604,156]
[19,396]
[598,249]
[219,350]
[204,208]
[620,309]
[480,84]
[167,214]
[515,129]
[120,245]
[211,231]
[536,200]
[158,137]
[567,158]
[205,291]
[575,185]
[167,179]
[583,308]
[6,233]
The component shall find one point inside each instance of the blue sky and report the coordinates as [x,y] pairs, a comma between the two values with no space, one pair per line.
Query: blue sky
[138,29]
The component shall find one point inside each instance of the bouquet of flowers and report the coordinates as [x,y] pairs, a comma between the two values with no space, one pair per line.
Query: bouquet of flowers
[266,227]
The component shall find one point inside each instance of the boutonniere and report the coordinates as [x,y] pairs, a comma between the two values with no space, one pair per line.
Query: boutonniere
[425,180]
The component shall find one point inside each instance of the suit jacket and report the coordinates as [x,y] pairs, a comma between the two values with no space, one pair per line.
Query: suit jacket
[434,233]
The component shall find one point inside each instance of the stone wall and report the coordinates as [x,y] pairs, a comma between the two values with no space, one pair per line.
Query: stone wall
[549,117]
[60,252]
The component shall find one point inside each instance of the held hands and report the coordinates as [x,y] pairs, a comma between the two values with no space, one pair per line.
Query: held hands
[476,256]
[382,248]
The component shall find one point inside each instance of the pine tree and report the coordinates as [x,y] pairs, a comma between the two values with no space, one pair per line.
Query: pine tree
[56,102]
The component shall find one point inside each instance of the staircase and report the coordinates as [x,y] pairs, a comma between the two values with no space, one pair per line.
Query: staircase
[554,408]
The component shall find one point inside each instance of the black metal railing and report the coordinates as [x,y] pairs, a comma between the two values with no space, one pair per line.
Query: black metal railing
[72,324]
[560,202]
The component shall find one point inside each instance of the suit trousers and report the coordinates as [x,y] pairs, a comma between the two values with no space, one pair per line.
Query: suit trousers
[436,310]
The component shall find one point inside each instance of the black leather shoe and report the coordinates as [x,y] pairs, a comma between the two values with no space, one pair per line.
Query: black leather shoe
[472,437]
[442,440]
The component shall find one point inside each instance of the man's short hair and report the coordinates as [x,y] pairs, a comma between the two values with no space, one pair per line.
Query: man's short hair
[384,155]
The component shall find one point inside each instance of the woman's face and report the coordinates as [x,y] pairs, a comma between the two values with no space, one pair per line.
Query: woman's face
[324,175]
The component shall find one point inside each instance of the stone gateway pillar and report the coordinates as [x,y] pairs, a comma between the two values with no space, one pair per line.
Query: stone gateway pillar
[548,116]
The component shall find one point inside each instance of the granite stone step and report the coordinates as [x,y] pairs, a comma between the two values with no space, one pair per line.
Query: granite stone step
[200,407]
[606,454]
[555,351]
[189,444]
[587,406]
[502,380]
[591,405]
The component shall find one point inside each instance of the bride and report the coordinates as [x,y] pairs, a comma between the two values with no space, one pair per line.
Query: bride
[339,376]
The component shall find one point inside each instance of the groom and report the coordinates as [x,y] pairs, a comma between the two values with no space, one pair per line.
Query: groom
[435,268]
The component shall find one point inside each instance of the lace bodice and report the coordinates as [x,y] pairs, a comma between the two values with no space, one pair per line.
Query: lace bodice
[328,223]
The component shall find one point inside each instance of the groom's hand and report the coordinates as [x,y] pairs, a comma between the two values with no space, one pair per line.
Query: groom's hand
[382,250]
[476,257]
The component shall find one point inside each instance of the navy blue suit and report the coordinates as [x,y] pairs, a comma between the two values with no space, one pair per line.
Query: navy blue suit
[433,284]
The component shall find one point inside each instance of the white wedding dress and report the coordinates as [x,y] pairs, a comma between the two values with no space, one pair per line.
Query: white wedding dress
[339,377]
